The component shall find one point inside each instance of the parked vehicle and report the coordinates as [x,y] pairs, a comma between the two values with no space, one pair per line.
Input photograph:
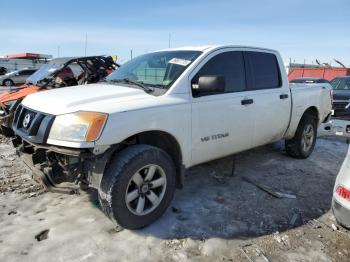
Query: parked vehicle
[16,77]
[308,80]
[60,72]
[341,97]
[341,194]
[133,136]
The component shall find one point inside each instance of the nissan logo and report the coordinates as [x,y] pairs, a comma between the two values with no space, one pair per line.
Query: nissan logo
[27,120]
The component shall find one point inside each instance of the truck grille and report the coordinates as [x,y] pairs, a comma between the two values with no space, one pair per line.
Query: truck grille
[31,125]
[340,105]
[339,108]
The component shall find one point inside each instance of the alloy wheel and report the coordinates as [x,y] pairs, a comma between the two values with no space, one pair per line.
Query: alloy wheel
[308,137]
[146,190]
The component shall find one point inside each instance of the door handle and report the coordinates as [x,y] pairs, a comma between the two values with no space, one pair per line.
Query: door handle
[284,96]
[247,102]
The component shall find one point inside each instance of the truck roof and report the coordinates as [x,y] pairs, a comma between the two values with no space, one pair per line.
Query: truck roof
[212,47]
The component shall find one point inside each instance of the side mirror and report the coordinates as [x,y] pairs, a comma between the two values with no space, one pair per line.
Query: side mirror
[209,85]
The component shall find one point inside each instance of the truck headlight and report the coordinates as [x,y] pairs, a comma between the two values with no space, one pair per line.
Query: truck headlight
[78,127]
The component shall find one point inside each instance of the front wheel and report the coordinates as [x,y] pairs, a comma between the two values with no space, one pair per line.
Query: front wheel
[303,143]
[138,186]
[8,82]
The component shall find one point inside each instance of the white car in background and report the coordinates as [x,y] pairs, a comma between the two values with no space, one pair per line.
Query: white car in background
[341,194]
[16,77]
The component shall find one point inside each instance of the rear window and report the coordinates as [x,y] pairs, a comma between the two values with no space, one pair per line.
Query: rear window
[264,71]
[26,72]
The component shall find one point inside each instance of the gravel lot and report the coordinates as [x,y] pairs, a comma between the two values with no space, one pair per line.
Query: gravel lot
[216,217]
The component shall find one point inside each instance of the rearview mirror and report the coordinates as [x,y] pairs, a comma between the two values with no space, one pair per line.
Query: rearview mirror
[209,85]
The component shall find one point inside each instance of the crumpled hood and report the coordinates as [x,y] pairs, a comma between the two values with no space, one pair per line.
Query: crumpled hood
[94,97]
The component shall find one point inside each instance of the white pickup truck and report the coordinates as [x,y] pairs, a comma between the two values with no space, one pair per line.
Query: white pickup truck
[133,136]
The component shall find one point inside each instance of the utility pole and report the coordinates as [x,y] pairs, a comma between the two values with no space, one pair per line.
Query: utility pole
[85,43]
[131,54]
[169,40]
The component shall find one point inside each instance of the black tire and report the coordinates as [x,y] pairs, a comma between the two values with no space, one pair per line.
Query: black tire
[6,131]
[83,186]
[8,82]
[294,146]
[118,176]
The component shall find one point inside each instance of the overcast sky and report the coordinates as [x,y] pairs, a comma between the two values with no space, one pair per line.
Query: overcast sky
[298,29]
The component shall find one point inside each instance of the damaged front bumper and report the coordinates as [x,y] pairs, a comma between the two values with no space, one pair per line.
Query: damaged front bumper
[62,170]
[59,168]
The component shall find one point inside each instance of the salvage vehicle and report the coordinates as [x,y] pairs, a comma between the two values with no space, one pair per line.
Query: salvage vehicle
[59,72]
[133,136]
[16,77]
[341,97]
[341,194]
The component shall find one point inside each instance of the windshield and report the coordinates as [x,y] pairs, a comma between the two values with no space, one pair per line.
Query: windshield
[43,72]
[159,69]
[341,83]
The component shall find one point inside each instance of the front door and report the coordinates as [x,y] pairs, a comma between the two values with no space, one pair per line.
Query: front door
[221,125]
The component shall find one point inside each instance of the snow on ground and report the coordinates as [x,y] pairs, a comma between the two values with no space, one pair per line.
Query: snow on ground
[216,217]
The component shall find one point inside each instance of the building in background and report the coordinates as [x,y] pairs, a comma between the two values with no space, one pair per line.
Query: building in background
[18,61]
[324,70]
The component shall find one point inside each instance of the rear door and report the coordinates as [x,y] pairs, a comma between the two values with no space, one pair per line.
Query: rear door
[271,99]
[221,125]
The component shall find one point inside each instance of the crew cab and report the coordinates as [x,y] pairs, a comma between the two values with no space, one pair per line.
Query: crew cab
[133,136]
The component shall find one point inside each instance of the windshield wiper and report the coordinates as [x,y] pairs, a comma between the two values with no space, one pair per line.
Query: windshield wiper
[128,81]
[158,86]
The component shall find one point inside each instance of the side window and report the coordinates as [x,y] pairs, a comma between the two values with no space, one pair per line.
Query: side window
[264,71]
[26,72]
[230,65]
[23,72]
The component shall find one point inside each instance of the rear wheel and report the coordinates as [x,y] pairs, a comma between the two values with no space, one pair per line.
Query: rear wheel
[8,82]
[303,143]
[138,186]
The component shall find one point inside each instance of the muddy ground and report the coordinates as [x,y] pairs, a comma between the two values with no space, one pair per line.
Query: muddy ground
[216,217]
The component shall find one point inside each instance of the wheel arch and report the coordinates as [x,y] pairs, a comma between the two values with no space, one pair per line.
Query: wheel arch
[313,111]
[6,79]
[294,146]
[164,141]
[296,119]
